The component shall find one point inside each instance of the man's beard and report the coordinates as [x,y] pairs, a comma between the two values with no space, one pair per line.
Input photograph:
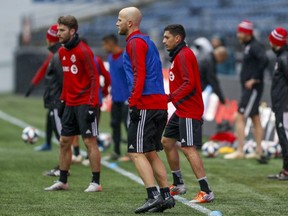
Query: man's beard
[274,50]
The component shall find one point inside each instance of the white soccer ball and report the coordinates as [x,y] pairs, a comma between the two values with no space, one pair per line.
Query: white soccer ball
[249,147]
[274,150]
[210,149]
[30,135]
[105,139]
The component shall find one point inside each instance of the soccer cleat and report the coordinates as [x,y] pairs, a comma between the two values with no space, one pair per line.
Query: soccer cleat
[203,197]
[44,147]
[53,172]
[58,185]
[167,204]
[177,190]
[282,175]
[263,160]
[149,204]
[234,155]
[77,159]
[114,156]
[125,158]
[252,155]
[94,187]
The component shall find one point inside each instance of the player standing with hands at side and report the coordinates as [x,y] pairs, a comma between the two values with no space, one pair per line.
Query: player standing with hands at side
[251,75]
[279,94]
[79,102]
[148,110]
[186,122]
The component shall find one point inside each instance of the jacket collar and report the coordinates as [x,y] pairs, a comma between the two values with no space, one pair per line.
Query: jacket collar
[73,42]
[175,51]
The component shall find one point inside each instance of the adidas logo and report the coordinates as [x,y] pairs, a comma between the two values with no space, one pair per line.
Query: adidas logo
[88,131]
[183,140]
[280,125]
[131,147]
[90,112]
[64,58]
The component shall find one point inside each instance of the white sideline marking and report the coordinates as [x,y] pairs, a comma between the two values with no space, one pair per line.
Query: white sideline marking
[113,166]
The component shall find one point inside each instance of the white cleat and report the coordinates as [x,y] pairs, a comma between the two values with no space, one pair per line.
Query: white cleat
[57,186]
[94,187]
[86,162]
[234,155]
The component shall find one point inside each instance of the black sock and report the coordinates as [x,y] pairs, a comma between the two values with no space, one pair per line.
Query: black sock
[177,177]
[165,193]
[152,192]
[204,185]
[285,163]
[96,177]
[63,176]
[76,150]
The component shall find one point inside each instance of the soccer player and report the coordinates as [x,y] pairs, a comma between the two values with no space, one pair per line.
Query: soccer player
[208,70]
[79,102]
[119,92]
[253,66]
[186,122]
[148,109]
[279,94]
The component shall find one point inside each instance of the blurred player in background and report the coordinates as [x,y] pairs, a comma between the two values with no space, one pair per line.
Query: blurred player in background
[252,73]
[148,110]
[208,70]
[79,102]
[186,122]
[279,94]
[119,92]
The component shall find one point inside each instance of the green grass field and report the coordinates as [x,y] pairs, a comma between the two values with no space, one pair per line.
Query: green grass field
[240,186]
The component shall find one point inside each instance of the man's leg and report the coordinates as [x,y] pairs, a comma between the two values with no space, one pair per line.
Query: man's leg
[64,163]
[240,132]
[258,133]
[116,113]
[48,133]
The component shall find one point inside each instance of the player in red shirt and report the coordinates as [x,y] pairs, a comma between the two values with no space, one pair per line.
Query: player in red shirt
[148,110]
[185,124]
[79,102]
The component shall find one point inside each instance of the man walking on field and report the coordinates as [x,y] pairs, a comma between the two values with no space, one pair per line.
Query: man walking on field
[148,110]
[79,102]
[186,122]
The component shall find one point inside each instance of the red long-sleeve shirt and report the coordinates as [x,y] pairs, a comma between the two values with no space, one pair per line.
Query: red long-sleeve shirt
[40,74]
[103,72]
[81,79]
[137,50]
[185,85]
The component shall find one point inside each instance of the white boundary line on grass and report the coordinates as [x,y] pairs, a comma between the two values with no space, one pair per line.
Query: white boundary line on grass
[113,166]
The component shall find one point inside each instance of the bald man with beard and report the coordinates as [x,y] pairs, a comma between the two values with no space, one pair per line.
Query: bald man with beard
[148,110]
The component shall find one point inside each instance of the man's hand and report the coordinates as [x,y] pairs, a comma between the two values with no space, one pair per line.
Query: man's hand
[135,114]
[30,89]
[91,114]
[60,108]
[249,83]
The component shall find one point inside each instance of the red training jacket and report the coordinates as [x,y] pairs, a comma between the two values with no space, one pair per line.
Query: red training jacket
[103,72]
[81,78]
[153,101]
[185,85]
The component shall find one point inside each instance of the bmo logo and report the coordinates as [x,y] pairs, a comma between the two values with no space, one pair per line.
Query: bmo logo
[74,69]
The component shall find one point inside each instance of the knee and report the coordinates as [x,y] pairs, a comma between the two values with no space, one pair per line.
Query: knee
[167,144]
[188,150]
[65,143]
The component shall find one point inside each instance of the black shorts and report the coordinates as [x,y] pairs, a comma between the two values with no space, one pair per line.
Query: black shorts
[250,101]
[145,135]
[186,130]
[75,123]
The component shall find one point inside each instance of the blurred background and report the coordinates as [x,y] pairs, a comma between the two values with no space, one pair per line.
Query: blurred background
[24,25]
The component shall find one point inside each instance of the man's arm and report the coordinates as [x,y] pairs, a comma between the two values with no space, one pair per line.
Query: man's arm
[213,81]
[106,75]
[187,67]
[262,60]
[137,50]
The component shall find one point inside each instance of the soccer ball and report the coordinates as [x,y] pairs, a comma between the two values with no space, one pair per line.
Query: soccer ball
[249,147]
[30,135]
[210,149]
[273,150]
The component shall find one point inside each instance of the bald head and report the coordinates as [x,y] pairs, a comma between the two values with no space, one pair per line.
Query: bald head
[220,54]
[129,20]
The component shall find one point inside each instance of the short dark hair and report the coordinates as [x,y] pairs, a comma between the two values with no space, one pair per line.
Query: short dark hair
[69,21]
[110,37]
[176,29]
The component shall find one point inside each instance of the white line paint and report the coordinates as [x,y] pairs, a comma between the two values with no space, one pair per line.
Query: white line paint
[113,166]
